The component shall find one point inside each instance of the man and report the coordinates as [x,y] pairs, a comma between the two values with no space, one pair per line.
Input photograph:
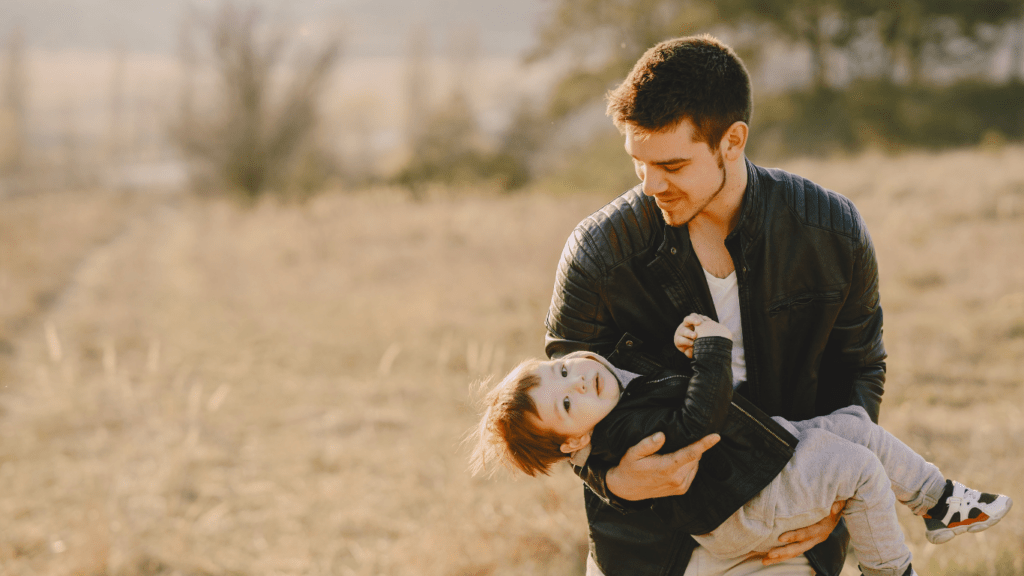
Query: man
[786,265]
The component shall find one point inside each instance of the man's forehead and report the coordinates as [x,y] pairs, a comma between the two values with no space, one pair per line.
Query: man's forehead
[661,147]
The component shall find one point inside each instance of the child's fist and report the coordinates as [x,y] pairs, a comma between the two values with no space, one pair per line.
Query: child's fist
[697,326]
[686,333]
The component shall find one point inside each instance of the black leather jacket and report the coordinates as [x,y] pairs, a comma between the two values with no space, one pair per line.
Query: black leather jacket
[809,306]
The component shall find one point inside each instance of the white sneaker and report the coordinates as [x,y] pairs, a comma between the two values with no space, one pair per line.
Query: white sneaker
[967,510]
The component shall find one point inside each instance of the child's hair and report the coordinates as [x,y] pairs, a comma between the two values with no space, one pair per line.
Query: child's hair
[509,430]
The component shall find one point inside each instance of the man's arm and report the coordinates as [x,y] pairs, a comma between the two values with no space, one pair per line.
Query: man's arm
[857,334]
[578,318]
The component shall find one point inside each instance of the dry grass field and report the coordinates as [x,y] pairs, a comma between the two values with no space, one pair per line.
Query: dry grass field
[190,387]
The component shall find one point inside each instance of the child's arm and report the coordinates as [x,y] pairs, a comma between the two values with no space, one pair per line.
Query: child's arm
[706,403]
[685,410]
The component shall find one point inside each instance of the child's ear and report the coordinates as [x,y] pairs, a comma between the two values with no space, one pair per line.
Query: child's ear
[573,444]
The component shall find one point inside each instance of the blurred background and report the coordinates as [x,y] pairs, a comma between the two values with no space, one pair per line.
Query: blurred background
[174,93]
[256,258]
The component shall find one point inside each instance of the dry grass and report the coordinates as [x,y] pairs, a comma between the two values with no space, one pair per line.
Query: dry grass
[42,240]
[282,390]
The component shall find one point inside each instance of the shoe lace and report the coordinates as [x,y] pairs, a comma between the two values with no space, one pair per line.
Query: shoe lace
[969,499]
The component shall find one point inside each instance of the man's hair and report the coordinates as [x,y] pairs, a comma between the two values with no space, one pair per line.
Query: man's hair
[696,78]
[509,430]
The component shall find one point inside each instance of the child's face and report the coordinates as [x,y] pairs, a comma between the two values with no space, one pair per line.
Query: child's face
[574,394]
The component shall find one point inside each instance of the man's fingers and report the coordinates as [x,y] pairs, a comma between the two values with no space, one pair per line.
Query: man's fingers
[800,540]
[685,475]
[803,539]
[650,445]
[783,553]
[799,535]
[645,447]
[696,450]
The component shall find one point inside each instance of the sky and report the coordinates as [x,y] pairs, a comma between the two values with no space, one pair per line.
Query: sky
[370,27]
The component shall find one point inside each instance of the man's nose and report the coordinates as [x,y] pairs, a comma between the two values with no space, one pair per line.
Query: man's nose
[653,182]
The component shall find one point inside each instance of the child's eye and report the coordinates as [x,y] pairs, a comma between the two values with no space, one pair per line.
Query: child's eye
[566,403]
[565,372]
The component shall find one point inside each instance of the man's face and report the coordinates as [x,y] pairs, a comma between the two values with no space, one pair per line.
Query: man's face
[683,176]
[574,394]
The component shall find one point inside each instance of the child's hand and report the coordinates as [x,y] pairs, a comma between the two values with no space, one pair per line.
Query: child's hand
[697,326]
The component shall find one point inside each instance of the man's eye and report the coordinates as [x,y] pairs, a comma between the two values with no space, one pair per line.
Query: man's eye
[566,403]
[565,372]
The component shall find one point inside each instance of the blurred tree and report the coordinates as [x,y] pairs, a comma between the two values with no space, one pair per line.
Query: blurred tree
[822,26]
[1016,31]
[443,139]
[417,85]
[525,135]
[912,29]
[445,142]
[116,133]
[258,131]
[913,51]
[447,148]
[13,109]
[603,38]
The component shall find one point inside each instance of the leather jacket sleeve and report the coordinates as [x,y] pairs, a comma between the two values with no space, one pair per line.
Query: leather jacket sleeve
[856,339]
[577,318]
[685,409]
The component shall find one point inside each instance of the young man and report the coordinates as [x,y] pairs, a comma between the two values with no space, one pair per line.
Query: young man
[786,265]
[786,474]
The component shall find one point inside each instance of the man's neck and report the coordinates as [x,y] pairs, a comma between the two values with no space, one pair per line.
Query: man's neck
[709,229]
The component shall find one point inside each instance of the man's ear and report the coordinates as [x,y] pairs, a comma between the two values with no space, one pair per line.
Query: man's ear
[573,444]
[734,141]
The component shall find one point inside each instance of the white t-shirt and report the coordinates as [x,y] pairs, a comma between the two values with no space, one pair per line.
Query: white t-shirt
[726,295]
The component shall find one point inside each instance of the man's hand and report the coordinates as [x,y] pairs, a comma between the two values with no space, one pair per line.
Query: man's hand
[799,541]
[643,474]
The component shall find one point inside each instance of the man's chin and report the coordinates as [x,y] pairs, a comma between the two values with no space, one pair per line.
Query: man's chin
[675,220]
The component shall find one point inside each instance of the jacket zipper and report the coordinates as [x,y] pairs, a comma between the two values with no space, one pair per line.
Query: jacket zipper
[759,423]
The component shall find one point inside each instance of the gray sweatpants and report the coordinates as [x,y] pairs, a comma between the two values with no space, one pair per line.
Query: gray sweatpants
[842,456]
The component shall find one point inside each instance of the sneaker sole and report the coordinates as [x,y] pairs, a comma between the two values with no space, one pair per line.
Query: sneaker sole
[944,535]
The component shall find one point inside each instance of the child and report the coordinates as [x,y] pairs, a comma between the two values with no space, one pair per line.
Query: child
[766,476]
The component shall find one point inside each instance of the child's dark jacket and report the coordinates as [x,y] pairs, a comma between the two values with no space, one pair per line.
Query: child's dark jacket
[752,451]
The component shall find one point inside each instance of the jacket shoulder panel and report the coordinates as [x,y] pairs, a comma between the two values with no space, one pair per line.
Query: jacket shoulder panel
[814,205]
[622,228]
